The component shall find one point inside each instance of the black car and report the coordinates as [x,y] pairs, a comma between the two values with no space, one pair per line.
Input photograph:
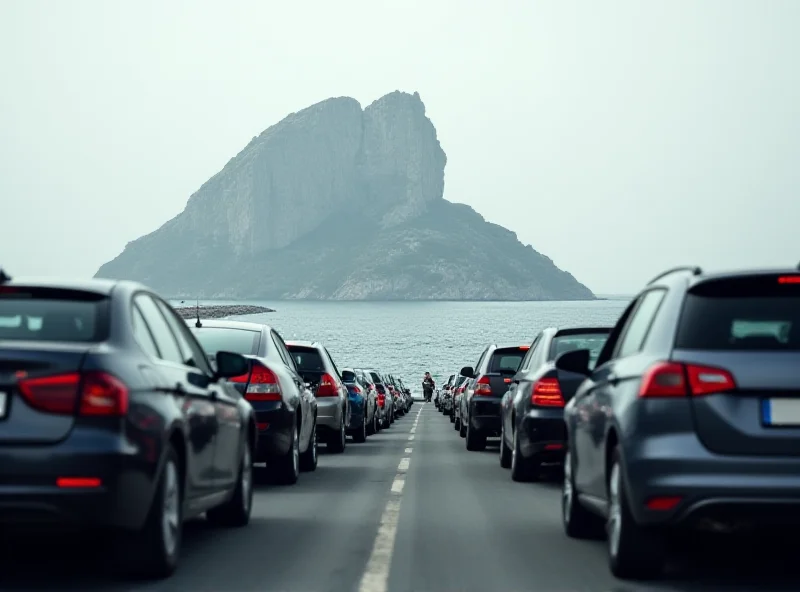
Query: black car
[480,403]
[112,417]
[690,418]
[285,408]
[532,410]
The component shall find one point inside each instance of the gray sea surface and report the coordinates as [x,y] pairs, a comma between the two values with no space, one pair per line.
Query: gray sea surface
[408,338]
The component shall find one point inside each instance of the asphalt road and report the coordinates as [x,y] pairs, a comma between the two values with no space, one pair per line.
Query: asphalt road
[408,511]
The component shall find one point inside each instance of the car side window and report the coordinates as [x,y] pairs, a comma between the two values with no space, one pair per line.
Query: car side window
[164,338]
[287,355]
[639,326]
[525,365]
[142,335]
[192,353]
[284,356]
[330,359]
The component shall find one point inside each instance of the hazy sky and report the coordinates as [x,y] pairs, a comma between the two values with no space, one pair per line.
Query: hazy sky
[616,137]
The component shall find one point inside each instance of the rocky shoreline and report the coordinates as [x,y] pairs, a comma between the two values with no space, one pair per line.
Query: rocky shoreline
[221,311]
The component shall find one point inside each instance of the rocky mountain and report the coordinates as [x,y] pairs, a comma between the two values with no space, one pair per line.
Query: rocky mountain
[336,202]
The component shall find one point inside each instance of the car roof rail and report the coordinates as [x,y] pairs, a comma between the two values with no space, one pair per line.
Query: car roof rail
[4,277]
[693,268]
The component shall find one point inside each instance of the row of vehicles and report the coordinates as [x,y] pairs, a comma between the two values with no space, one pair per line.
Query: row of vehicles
[682,417]
[117,414]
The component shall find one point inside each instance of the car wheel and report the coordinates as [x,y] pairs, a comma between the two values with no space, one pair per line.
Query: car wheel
[153,551]
[360,435]
[236,511]
[457,424]
[462,431]
[522,469]
[634,552]
[578,522]
[309,459]
[475,440]
[338,441]
[286,468]
[505,451]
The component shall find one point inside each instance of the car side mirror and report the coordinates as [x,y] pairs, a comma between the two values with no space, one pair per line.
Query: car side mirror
[230,364]
[575,361]
[307,385]
[467,371]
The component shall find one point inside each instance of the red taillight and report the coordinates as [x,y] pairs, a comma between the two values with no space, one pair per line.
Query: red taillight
[327,386]
[356,389]
[483,387]
[88,393]
[671,379]
[78,482]
[460,390]
[663,504]
[547,393]
[789,279]
[263,385]
[381,400]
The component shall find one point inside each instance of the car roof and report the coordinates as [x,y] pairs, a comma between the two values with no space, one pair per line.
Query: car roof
[225,324]
[96,285]
[695,275]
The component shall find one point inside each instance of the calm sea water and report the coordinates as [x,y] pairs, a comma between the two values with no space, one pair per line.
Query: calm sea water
[408,338]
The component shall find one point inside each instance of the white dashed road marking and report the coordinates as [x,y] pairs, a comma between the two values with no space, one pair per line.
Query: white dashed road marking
[376,574]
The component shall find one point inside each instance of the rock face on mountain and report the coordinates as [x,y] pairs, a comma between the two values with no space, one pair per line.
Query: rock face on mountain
[336,202]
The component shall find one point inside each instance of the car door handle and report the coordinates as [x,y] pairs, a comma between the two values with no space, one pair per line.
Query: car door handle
[612,379]
[179,390]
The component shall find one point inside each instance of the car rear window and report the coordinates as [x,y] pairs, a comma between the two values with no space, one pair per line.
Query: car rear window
[594,342]
[307,359]
[761,314]
[348,376]
[52,315]
[376,378]
[507,360]
[216,339]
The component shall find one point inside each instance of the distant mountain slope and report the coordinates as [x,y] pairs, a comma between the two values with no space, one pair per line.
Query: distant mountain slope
[338,203]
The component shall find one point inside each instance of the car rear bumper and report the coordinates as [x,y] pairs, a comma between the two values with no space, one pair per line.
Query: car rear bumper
[543,434]
[274,423]
[329,413]
[127,470]
[711,488]
[484,415]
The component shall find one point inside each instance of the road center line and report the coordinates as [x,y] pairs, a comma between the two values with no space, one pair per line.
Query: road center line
[410,438]
[409,450]
[403,466]
[376,574]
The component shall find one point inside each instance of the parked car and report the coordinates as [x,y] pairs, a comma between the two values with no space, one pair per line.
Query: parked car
[285,408]
[532,430]
[388,400]
[363,418]
[113,418]
[381,409]
[480,404]
[318,369]
[690,417]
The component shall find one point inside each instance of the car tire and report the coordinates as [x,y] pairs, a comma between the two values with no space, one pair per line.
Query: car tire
[505,451]
[360,435]
[475,441]
[338,442]
[286,468]
[153,551]
[523,470]
[634,552]
[462,431]
[457,424]
[236,511]
[579,523]
[372,429]
[309,458]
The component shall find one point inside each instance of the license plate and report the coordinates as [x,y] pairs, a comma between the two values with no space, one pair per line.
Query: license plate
[3,404]
[781,412]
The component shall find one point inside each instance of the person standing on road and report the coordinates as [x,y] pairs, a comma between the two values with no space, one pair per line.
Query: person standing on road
[428,385]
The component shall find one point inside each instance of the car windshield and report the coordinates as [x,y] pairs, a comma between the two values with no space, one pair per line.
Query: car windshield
[216,339]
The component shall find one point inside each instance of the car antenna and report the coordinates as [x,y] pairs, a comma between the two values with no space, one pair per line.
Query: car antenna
[4,277]
[198,324]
